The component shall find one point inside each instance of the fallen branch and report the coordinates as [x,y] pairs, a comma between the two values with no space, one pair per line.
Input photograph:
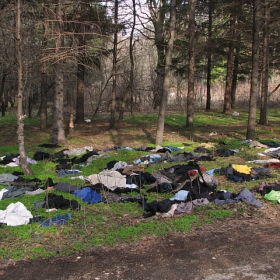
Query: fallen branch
[269,95]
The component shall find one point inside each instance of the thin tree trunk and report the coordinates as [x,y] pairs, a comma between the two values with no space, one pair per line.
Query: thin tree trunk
[43,112]
[20,131]
[43,103]
[166,84]
[58,133]
[230,63]
[209,56]
[2,96]
[80,110]
[158,18]
[114,90]
[190,97]
[265,67]
[234,77]
[255,73]
[129,89]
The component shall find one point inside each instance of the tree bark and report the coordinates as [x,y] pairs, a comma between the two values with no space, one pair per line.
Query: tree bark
[158,18]
[43,111]
[230,63]
[209,56]
[58,133]
[20,131]
[234,76]
[80,110]
[2,96]
[166,84]
[251,125]
[129,89]
[190,97]
[265,67]
[114,71]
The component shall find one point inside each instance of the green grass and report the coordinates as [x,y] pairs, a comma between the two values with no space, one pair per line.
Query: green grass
[108,224]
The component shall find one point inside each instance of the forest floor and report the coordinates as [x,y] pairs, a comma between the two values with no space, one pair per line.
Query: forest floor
[247,247]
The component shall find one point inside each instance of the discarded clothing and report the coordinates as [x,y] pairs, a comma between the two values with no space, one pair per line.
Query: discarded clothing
[110,179]
[59,202]
[88,195]
[6,179]
[245,196]
[66,187]
[16,214]
[265,187]
[180,195]
[180,157]
[57,220]
[188,207]
[273,196]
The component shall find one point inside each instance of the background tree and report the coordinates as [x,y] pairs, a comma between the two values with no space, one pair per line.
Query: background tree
[166,84]
[265,65]
[211,5]
[22,155]
[58,131]
[191,94]
[255,72]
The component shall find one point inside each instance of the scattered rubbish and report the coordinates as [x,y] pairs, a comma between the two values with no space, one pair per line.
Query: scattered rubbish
[235,114]
[213,133]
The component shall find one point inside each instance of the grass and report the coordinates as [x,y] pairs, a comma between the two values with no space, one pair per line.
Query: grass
[109,224]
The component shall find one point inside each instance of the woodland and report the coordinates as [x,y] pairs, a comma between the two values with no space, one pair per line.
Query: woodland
[108,74]
[75,60]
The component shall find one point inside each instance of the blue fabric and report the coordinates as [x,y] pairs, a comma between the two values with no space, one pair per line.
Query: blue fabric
[210,172]
[245,196]
[154,158]
[88,195]
[180,195]
[172,148]
[57,220]
[235,179]
[64,172]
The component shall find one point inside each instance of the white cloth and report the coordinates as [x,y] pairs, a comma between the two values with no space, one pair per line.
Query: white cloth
[110,179]
[15,214]
[2,192]
[38,191]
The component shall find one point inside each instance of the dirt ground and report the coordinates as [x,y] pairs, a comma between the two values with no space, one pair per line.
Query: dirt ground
[247,247]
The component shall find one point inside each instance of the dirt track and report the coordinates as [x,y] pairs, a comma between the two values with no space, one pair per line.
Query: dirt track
[243,248]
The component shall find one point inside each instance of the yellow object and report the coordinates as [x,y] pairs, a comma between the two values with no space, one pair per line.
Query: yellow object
[242,168]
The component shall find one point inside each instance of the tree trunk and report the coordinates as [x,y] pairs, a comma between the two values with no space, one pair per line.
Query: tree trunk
[43,112]
[190,97]
[114,90]
[166,84]
[80,109]
[255,73]
[158,18]
[209,56]
[43,102]
[230,63]
[129,89]
[20,131]
[58,133]
[234,77]
[265,67]
[2,96]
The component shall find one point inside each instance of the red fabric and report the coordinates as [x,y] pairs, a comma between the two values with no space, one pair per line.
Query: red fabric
[192,172]
[272,165]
